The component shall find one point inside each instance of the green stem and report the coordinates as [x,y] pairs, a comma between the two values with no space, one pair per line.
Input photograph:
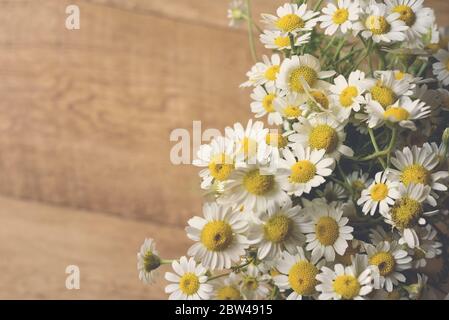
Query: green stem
[318,5]
[166,261]
[375,145]
[386,152]
[252,45]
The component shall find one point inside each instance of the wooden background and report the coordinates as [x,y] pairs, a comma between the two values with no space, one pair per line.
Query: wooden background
[85,119]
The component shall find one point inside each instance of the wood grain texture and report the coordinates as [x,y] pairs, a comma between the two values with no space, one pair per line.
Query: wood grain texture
[38,242]
[85,116]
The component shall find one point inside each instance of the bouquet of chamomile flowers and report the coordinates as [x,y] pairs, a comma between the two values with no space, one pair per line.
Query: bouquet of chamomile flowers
[342,192]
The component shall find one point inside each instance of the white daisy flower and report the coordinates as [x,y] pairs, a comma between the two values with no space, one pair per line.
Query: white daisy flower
[276,230]
[415,16]
[381,194]
[408,211]
[441,68]
[428,248]
[236,13]
[403,112]
[250,142]
[148,261]
[298,273]
[289,105]
[220,236]
[277,40]
[298,71]
[417,166]
[189,281]
[263,98]
[348,94]
[228,288]
[346,283]
[359,181]
[388,89]
[218,160]
[333,192]
[264,73]
[291,18]
[343,17]
[383,26]
[254,285]
[327,232]
[322,132]
[254,188]
[303,169]
[388,259]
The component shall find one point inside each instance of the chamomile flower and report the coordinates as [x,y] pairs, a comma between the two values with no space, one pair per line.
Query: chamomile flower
[262,104]
[388,259]
[327,232]
[254,285]
[220,236]
[298,273]
[381,194]
[317,101]
[189,281]
[218,160]
[358,180]
[342,17]
[276,230]
[277,40]
[291,18]
[264,73]
[408,211]
[289,105]
[303,169]
[322,132]
[333,192]
[249,141]
[403,112]
[428,248]
[379,234]
[383,26]
[441,68]
[348,94]
[388,89]
[254,188]
[353,282]
[417,165]
[148,261]
[228,288]
[300,71]
[418,18]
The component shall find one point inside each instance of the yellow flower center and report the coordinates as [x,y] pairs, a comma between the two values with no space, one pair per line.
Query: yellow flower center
[347,286]
[221,167]
[277,228]
[282,42]
[250,283]
[407,14]
[327,231]
[340,16]
[384,261]
[379,191]
[216,235]
[189,283]
[249,147]
[396,114]
[347,96]
[272,72]
[377,25]
[290,22]
[384,95]
[276,140]
[416,174]
[258,184]
[303,73]
[399,75]
[406,212]
[321,98]
[302,171]
[228,293]
[325,137]
[267,102]
[292,112]
[302,278]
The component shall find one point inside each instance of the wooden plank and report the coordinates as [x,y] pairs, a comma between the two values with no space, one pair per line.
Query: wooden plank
[38,242]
